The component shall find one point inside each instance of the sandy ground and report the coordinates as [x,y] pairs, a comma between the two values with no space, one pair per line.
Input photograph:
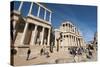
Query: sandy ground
[55,57]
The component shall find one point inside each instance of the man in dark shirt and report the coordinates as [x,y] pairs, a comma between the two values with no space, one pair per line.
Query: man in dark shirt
[28,53]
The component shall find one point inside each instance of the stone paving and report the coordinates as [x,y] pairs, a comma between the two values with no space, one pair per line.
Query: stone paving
[55,57]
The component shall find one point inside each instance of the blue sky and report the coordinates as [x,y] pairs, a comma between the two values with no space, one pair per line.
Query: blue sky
[84,17]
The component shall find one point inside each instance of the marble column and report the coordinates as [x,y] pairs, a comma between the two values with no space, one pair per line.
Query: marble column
[45,15]
[74,29]
[24,33]
[34,33]
[78,42]
[75,42]
[50,17]
[48,43]
[30,10]
[14,30]
[38,11]
[42,36]
[82,42]
[72,41]
[69,40]
[19,9]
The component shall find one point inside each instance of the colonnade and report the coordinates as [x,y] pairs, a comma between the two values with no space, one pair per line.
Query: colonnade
[73,40]
[36,26]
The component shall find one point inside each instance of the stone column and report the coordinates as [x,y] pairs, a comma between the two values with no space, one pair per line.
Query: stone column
[45,15]
[30,10]
[34,33]
[14,30]
[74,29]
[78,42]
[72,40]
[38,11]
[42,36]
[48,37]
[50,17]
[24,33]
[75,42]
[69,41]
[19,9]
[81,42]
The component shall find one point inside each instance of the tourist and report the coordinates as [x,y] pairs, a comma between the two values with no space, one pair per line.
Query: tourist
[90,53]
[42,51]
[28,53]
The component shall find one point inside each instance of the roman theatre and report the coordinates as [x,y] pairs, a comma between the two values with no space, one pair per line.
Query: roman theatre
[31,30]
[68,36]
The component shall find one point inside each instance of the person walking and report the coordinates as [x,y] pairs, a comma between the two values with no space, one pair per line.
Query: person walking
[28,53]
[41,51]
